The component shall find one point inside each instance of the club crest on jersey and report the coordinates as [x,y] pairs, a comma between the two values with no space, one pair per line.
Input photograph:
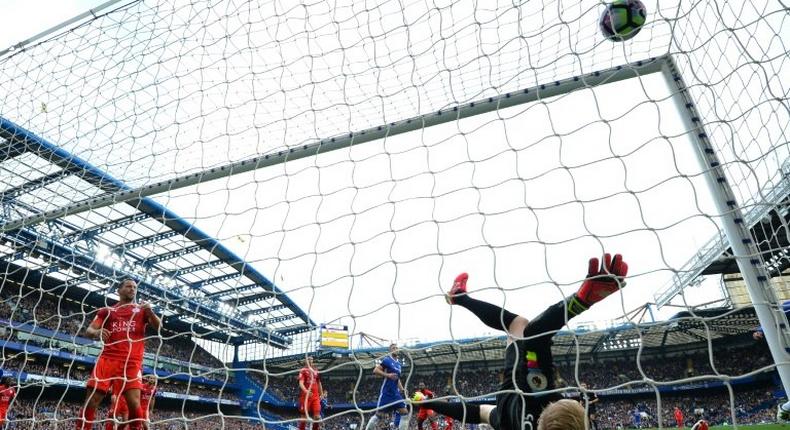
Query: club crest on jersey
[536,380]
[135,309]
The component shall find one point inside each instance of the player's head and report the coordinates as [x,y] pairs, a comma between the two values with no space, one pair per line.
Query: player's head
[393,348]
[422,385]
[563,414]
[127,289]
[7,381]
[583,385]
[308,361]
[149,379]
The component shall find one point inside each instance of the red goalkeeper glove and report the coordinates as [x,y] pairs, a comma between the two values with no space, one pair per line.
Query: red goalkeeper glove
[603,280]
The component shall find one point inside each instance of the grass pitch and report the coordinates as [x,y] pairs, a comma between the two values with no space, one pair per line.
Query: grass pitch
[749,427]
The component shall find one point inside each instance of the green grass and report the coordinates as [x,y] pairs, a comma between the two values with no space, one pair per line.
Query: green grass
[751,427]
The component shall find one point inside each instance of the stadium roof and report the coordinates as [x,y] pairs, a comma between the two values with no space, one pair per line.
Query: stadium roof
[682,329]
[192,277]
[768,220]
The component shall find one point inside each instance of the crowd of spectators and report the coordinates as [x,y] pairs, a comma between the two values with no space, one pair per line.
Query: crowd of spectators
[727,361]
[752,406]
[363,387]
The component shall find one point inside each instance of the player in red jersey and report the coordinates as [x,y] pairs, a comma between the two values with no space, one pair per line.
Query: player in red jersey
[119,413]
[425,413]
[148,398]
[679,417]
[119,366]
[448,423]
[7,394]
[310,390]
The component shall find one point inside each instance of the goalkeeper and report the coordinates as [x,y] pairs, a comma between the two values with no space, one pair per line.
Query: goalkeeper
[528,359]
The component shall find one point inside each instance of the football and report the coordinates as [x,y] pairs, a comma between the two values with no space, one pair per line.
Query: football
[622,19]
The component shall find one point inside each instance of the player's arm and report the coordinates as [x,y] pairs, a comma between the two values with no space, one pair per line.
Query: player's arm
[96,330]
[379,371]
[151,403]
[400,387]
[593,400]
[151,318]
[301,381]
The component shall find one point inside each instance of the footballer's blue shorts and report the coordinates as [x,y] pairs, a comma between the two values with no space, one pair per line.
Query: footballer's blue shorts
[390,401]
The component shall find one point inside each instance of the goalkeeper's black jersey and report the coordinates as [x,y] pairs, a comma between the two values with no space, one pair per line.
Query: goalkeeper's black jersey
[528,366]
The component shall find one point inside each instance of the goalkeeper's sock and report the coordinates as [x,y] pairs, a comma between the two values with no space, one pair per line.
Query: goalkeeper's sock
[85,420]
[491,315]
[458,411]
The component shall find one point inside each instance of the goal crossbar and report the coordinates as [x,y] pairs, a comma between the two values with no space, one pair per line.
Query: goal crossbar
[14,134]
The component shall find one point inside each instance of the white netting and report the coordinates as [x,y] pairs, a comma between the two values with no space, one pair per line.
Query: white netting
[371,235]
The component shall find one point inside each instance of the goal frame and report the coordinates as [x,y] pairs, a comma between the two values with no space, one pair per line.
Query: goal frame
[736,231]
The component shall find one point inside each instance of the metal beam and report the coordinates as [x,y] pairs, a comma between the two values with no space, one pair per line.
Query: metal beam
[236,290]
[292,330]
[241,301]
[11,150]
[80,261]
[103,228]
[276,319]
[13,193]
[263,310]
[216,280]
[183,271]
[143,241]
[150,261]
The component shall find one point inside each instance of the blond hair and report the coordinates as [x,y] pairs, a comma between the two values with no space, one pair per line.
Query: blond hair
[564,414]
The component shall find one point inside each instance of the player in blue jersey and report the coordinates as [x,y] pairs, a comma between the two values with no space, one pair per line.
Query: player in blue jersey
[636,416]
[392,393]
[324,402]
[528,398]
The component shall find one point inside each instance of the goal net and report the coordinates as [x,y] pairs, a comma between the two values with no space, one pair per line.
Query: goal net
[261,168]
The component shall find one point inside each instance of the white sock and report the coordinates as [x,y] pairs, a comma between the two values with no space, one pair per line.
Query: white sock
[372,422]
[404,422]
[786,407]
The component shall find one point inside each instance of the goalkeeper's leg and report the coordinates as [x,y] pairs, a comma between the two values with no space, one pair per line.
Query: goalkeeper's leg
[600,282]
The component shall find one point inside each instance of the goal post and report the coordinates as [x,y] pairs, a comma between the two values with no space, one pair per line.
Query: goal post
[737,231]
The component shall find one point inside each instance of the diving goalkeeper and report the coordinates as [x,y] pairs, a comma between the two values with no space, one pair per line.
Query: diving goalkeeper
[528,360]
